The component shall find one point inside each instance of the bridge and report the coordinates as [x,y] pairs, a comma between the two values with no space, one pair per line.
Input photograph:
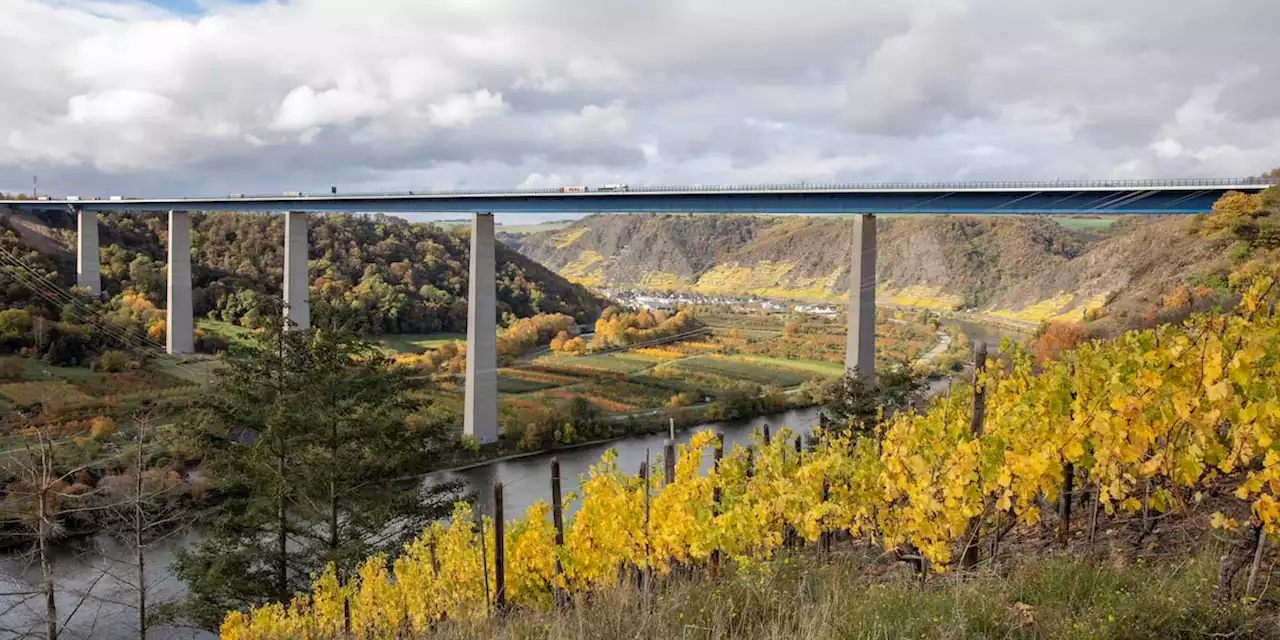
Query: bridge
[1142,197]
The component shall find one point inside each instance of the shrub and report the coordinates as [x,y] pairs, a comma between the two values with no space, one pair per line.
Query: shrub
[11,369]
[102,427]
[111,360]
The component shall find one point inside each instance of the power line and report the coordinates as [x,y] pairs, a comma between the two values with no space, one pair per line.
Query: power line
[50,291]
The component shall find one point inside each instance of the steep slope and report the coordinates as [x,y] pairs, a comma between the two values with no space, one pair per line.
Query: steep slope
[374,274]
[802,257]
[1021,269]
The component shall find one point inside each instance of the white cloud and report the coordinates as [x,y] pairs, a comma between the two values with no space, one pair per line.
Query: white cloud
[119,106]
[460,110]
[594,121]
[123,94]
[303,108]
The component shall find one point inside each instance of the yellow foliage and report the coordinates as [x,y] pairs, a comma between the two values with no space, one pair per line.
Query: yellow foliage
[1149,417]
[567,237]
[1231,209]
[924,297]
[1038,312]
[102,427]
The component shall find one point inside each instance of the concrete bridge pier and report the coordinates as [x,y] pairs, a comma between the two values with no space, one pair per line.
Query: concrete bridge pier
[88,267]
[297,284]
[481,412]
[179,323]
[860,350]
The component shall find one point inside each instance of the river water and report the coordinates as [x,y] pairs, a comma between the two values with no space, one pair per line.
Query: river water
[93,566]
[96,567]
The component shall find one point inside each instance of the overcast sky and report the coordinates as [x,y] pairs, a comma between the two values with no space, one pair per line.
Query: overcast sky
[191,97]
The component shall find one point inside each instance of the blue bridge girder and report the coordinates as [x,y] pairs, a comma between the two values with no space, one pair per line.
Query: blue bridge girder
[1056,197]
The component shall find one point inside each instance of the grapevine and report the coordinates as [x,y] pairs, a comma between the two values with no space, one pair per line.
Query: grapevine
[1149,419]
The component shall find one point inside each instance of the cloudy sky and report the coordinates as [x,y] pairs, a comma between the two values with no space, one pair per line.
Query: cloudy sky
[186,97]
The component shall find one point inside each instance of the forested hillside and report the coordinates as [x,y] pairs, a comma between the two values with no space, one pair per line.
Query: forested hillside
[372,274]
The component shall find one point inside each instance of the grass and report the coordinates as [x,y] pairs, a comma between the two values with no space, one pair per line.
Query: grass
[852,597]
[419,342]
[1075,222]
[740,369]
[514,384]
[820,367]
[57,393]
[34,369]
[233,333]
[620,362]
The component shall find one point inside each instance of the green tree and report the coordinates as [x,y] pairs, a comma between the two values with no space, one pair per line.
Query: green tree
[854,407]
[309,441]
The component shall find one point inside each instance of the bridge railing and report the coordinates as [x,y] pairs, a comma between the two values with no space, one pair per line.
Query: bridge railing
[831,186]
[791,186]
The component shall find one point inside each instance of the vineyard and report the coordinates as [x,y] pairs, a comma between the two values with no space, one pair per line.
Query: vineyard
[1146,423]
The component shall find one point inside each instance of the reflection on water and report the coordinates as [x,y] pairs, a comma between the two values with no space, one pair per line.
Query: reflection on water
[990,333]
[95,591]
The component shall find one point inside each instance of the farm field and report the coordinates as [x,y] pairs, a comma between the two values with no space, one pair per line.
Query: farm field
[233,333]
[821,367]
[419,342]
[70,388]
[738,368]
[620,362]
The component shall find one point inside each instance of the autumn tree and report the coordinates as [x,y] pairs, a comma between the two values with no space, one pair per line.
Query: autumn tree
[1059,336]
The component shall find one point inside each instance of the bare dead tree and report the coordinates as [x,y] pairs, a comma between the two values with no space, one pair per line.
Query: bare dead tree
[145,506]
[36,502]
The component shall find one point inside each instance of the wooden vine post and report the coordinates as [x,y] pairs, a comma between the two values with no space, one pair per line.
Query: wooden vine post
[969,558]
[499,553]
[1064,503]
[557,518]
[668,461]
[717,454]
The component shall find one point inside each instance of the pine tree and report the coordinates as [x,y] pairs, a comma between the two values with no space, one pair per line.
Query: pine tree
[311,451]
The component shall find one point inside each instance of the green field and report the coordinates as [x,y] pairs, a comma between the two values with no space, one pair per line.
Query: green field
[821,367]
[513,384]
[419,342]
[233,333]
[66,387]
[620,362]
[768,372]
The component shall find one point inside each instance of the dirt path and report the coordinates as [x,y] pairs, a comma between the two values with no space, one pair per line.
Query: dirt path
[944,343]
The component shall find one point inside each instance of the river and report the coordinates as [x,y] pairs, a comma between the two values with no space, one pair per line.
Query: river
[88,567]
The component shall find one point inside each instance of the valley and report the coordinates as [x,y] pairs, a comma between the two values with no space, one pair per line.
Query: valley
[1017,271]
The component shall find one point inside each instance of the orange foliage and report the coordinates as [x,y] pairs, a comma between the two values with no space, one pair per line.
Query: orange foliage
[102,427]
[1179,298]
[1059,336]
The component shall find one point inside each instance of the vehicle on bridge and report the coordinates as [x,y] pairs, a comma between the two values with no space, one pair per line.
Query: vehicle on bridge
[293,194]
[586,189]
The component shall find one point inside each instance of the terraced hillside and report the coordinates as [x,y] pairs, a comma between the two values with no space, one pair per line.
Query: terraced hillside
[1020,269]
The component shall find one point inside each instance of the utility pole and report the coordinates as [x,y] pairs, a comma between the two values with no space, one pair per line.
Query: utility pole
[35,182]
